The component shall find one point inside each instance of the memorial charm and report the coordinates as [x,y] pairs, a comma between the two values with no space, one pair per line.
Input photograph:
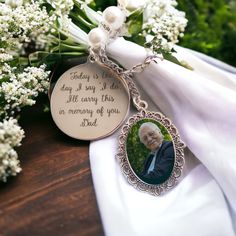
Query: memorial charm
[88,102]
[151,153]
[91,101]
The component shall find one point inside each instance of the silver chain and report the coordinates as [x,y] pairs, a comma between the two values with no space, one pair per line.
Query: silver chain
[101,57]
[140,67]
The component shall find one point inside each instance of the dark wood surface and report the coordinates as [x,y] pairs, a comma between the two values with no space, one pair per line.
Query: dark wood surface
[54,193]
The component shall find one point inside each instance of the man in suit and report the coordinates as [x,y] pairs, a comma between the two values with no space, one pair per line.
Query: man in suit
[160,162]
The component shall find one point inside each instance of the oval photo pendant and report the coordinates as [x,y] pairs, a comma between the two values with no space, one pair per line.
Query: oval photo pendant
[151,154]
[89,102]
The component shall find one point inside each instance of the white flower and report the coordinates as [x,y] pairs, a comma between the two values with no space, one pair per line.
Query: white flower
[14,3]
[10,132]
[132,4]
[164,22]
[11,136]
[83,2]
[22,24]
[5,57]
[21,89]
[61,7]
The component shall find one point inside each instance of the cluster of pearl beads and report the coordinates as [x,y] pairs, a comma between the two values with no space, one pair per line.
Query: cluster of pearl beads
[113,21]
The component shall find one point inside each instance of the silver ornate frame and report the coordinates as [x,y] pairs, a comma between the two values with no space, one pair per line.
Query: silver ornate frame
[127,170]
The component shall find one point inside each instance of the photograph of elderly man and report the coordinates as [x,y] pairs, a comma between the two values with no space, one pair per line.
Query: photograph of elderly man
[159,163]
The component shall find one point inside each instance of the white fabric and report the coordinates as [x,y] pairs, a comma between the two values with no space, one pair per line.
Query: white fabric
[202,104]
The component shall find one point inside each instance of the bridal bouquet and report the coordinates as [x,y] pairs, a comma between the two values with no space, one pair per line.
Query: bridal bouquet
[35,34]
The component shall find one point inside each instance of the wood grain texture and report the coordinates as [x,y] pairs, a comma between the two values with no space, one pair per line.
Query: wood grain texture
[54,194]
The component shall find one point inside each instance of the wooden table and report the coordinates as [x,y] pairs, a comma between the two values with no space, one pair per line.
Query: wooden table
[54,193]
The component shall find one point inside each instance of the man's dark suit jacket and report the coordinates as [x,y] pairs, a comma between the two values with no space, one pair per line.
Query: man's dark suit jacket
[163,166]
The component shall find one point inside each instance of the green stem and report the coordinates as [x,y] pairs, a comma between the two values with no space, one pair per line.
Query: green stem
[62,47]
[87,26]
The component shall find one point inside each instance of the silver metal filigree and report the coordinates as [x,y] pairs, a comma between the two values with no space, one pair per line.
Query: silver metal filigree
[122,156]
[141,106]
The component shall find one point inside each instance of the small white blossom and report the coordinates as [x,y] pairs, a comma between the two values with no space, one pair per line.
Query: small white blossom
[4,57]
[11,136]
[14,3]
[83,2]
[11,133]
[21,89]
[132,4]
[22,24]
[61,7]
[164,23]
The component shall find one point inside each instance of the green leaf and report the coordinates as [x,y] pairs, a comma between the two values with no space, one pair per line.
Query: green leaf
[81,22]
[139,39]
[51,59]
[135,14]
[135,22]
[135,27]
[170,57]
[62,47]
[211,27]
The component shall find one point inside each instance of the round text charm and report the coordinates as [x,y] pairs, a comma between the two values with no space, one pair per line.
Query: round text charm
[89,102]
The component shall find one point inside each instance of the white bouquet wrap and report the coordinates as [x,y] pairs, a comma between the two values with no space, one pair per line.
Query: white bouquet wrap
[201,103]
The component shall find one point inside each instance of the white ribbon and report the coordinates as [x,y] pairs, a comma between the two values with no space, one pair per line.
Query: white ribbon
[202,105]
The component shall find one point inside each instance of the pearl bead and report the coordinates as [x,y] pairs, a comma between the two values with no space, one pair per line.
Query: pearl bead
[97,37]
[114,17]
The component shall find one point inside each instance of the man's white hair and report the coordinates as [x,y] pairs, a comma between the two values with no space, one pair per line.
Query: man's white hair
[150,125]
